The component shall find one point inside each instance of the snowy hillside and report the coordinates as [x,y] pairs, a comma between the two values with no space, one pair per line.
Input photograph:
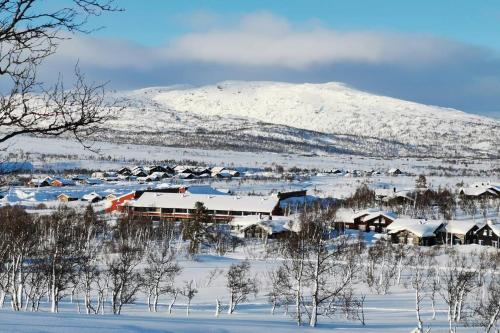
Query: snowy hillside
[284,117]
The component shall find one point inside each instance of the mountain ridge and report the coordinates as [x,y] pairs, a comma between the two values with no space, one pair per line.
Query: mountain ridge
[327,116]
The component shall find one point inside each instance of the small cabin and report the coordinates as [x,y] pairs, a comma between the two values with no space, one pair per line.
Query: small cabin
[456,232]
[63,197]
[489,234]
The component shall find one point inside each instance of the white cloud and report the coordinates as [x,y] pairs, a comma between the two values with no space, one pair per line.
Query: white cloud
[262,39]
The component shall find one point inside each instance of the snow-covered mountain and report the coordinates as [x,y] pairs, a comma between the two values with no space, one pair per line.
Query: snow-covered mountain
[302,118]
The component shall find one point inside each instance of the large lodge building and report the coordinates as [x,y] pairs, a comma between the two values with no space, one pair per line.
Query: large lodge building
[161,206]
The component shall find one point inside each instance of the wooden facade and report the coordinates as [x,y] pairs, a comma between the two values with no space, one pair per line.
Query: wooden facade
[488,235]
[407,237]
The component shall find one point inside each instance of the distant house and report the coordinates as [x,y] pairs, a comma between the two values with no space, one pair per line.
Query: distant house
[114,203]
[93,181]
[484,192]
[394,172]
[216,170]
[366,220]
[111,197]
[344,219]
[154,168]
[92,197]
[40,182]
[375,221]
[183,169]
[393,196]
[489,234]
[186,175]
[456,232]
[58,182]
[333,171]
[63,197]
[267,227]
[124,171]
[414,231]
[139,173]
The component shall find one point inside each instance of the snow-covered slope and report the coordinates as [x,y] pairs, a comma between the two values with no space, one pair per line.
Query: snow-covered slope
[317,118]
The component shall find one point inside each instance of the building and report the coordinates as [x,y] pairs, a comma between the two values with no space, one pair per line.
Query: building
[63,197]
[480,192]
[393,196]
[394,172]
[377,221]
[40,182]
[489,234]
[220,207]
[263,227]
[92,197]
[457,232]
[116,203]
[414,231]
[365,220]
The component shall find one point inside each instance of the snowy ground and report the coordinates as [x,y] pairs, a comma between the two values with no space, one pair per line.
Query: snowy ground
[60,154]
[384,313]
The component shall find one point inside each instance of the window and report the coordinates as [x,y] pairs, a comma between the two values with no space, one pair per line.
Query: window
[167,210]
[494,243]
[485,233]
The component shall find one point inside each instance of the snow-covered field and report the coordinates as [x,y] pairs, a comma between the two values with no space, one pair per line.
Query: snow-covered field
[394,312]
[59,153]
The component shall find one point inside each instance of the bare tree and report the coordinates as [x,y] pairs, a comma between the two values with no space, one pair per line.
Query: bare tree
[61,253]
[487,312]
[457,280]
[189,291]
[30,32]
[420,279]
[124,279]
[240,284]
[159,274]
[280,289]
[18,242]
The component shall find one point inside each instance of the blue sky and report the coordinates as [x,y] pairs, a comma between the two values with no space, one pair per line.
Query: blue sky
[472,21]
[436,52]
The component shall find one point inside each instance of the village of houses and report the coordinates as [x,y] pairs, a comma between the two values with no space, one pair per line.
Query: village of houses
[269,203]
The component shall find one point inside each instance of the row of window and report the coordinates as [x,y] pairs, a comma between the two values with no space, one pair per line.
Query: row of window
[192,211]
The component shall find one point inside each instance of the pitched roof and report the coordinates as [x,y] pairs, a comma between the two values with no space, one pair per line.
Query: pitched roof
[419,227]
[388,215]
[477,191]
[459,227]
[275,224]
[494,226]
[254,204]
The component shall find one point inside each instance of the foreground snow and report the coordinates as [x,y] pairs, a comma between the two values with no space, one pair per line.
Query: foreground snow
[384,313]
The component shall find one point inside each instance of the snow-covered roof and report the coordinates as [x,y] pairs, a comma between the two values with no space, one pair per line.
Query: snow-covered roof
[388,215]
[271,224]
[205,189]
[344,215]
[460,227]
[217,169]
[91,196]
[254,204]
[477,191]
[419,227]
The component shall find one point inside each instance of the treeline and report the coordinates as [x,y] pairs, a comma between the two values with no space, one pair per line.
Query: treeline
[423,203]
